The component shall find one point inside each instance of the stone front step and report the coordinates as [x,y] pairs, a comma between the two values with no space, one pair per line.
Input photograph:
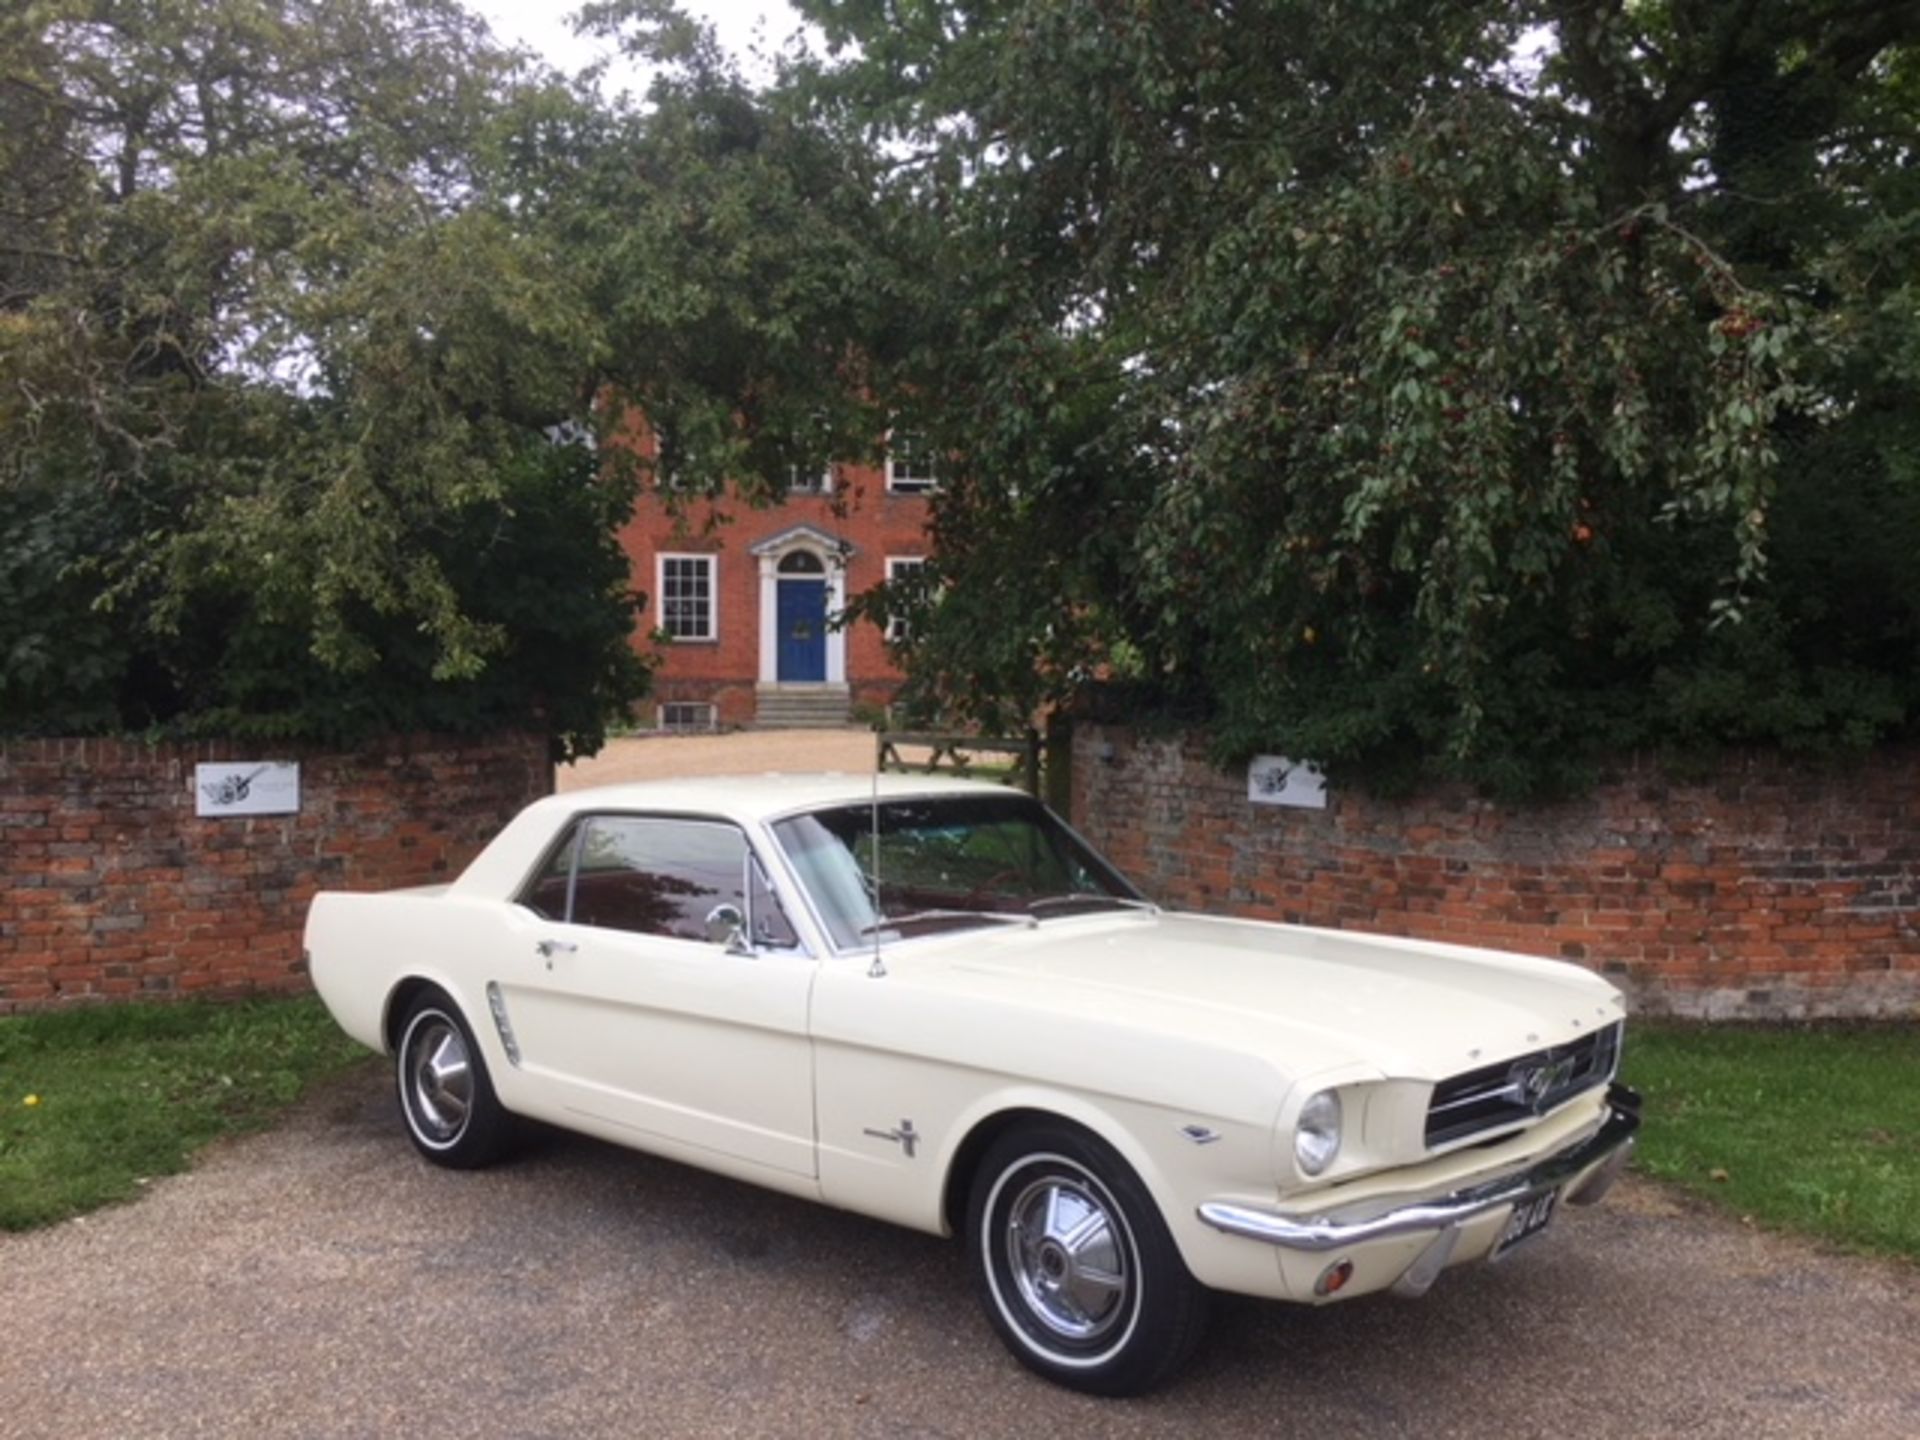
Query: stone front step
[826,707]
[839,720]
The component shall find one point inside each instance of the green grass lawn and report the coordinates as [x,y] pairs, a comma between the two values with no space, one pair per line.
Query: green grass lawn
[1814,1129]
[92,1101]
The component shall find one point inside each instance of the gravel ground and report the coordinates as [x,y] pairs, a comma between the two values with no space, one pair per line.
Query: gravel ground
[321,1280]
[744,752]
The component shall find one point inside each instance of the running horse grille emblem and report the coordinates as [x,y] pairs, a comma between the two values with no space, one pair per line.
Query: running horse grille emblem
[1538,1082]
[906,1137]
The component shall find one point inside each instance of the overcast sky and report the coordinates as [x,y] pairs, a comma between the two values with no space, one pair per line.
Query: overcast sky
[545,27]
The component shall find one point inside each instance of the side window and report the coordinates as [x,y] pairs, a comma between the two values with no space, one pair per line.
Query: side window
[547,895]
[657,877]
[770,923]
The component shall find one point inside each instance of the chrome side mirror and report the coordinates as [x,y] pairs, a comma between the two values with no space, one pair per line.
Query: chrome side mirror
[727,926]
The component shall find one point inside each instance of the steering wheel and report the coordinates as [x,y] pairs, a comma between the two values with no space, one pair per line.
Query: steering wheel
[993,882]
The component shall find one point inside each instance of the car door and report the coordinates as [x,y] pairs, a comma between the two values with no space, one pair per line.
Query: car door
[628,1004]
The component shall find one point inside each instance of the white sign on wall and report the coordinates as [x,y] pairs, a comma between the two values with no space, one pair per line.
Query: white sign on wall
[251,787]
[1276,780]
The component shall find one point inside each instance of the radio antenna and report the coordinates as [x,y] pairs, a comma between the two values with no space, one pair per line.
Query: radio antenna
[878,969]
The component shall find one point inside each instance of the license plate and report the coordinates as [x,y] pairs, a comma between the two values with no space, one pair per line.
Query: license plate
[1529,1218]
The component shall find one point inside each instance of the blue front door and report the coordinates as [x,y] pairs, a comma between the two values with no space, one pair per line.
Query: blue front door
[803,630]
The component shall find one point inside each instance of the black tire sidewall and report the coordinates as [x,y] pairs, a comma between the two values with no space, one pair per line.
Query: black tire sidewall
[480,1137]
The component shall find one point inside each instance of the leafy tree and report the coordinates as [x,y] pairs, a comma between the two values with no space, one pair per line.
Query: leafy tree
[1473,389]
[278,368]
[311,314]
[726,240]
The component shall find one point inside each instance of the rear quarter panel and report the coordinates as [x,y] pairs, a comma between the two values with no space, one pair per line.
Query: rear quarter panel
[360,947]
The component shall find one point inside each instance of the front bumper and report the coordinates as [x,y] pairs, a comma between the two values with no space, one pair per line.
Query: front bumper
[1594,1160]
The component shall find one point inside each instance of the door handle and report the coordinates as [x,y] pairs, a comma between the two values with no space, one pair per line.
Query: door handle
[547,949]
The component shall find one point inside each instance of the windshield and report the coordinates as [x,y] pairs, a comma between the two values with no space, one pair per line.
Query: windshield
[945,862]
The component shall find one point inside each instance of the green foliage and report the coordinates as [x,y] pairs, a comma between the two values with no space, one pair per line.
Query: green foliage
[278,365]
[1338,378]
[60,660]
[295,296]
[1812,1129]
[124,1093]
[727,246]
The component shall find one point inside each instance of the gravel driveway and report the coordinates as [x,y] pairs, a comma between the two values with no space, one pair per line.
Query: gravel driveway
[740,752]
[321,1280]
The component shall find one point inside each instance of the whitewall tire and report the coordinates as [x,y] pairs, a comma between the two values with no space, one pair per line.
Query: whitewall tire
[446,1097]
[1074,1265]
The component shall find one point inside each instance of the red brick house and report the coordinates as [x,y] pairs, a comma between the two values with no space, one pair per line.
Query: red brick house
[747,596]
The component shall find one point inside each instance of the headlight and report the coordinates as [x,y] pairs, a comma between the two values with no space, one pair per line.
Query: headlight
[1316,1135]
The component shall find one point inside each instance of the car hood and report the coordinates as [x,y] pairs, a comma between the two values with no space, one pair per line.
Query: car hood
[1312,1000]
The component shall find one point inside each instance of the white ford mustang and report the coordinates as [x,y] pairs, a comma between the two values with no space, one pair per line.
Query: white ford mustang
[930,1002]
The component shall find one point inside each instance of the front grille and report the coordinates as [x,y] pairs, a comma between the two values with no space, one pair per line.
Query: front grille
[1516,1090]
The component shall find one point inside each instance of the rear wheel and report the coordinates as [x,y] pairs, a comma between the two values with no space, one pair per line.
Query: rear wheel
[1074,1265]
[446,1097]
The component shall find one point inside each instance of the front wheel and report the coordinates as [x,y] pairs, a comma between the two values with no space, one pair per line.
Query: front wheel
[446,1098]
[1074,1265]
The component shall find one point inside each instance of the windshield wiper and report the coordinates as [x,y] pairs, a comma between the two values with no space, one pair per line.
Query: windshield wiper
[914,917]
[1087,898]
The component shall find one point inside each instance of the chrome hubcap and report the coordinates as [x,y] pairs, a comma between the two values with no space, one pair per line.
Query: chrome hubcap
[441,1079]
[1066,1253]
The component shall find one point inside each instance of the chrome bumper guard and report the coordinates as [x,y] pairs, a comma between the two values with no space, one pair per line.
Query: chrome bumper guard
[1384,1216]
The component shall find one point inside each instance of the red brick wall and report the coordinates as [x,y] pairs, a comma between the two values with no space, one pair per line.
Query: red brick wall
[111,887]
[1766,891]
[725,671]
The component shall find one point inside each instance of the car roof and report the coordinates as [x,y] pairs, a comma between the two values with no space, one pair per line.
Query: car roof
[504,864]
[761,797]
